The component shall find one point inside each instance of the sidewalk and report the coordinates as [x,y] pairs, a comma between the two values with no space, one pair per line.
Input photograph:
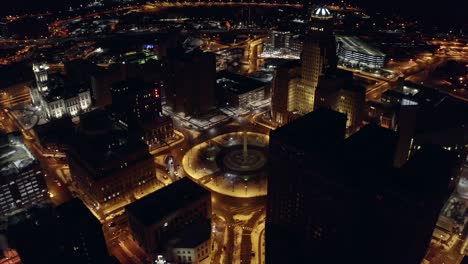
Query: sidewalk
[179,140]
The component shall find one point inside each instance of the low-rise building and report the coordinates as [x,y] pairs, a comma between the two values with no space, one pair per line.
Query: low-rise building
[158,220]
[192,245]
[235,90]
[53,137]
[354,52]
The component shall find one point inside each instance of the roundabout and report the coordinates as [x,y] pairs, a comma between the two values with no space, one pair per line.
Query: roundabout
[232,164]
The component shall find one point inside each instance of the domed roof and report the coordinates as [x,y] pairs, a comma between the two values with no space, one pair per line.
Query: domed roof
[321,12]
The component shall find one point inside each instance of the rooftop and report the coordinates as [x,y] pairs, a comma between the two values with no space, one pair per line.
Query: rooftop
[155,207]
[59,87]
[357,45]
[57,130]
[236,83]
[14,155]
[104,144]
[193,235]
[315,131]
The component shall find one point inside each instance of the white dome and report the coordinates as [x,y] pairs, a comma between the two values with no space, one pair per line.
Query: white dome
[321,12]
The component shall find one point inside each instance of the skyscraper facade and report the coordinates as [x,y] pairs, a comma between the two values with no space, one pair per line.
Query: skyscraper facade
[318,54]
[341,201]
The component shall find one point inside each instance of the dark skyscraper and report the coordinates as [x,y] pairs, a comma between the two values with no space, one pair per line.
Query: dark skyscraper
[67,234]
[191,87]
[334,201]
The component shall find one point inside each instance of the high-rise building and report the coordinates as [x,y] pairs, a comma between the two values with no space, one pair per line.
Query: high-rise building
[318,55]
[138,104]
[22,182]
[109,165]
[283,87]
[137,98]
[158,221]
[337,90]
[293,148]
[350,100]
[192,81]
[329,195]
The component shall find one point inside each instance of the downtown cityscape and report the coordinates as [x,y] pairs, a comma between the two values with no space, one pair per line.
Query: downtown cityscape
[233,132]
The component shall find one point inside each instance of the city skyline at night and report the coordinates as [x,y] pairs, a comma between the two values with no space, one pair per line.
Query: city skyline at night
[233,132]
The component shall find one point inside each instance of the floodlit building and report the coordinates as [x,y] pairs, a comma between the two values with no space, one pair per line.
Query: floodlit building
[22,182]
[167,221]
[318,55]
[57,96]
[285,82]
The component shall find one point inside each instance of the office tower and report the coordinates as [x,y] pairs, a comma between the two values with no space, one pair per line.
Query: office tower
[337,90]
[350,101]
[192,80]
[168,217]
[423,115]
[283,88]
[294,147]
[136,99]
[109,165]
[66,234]
[318,55]
[22,182]
[329,195]
[138,104]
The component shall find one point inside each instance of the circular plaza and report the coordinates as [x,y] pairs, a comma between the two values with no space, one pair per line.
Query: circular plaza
[233,164]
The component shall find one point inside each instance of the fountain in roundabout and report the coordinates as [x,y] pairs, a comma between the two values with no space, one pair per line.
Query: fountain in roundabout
[233,164]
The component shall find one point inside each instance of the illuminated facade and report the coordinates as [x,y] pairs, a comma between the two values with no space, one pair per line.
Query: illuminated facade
[283,87]
[57,96]
[318,54]
[350,101]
